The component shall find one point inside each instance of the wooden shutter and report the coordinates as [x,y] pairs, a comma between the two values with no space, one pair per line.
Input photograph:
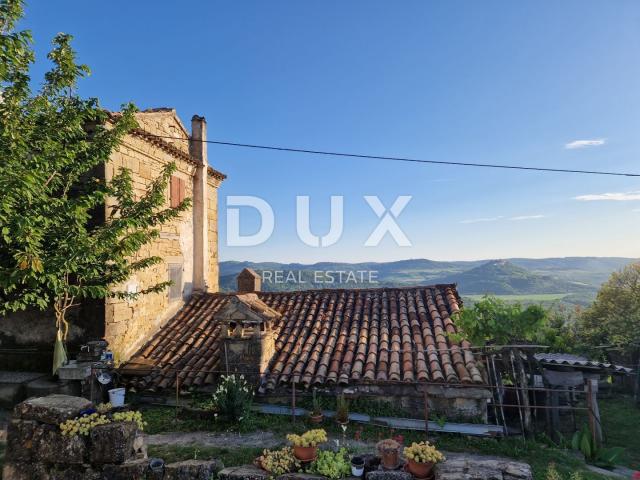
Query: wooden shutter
[176,191]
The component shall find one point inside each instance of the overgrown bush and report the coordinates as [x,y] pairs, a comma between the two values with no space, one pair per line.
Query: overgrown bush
[232,399]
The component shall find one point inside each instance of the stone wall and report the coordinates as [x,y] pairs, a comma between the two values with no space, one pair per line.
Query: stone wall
[130,323]
[213,277]
[37,450]
[453,403]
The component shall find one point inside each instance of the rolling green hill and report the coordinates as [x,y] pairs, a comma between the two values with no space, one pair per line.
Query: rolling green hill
[573,279]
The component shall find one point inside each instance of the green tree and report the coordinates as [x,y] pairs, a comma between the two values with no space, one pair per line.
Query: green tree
[58,246]
[493,321]
[614,317]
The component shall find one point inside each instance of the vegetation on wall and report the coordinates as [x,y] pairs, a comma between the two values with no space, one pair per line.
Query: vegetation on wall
[58,246]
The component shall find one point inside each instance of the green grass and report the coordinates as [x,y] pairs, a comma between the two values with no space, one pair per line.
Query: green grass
[229,456]
[524,298]
[621,426]
[537,453]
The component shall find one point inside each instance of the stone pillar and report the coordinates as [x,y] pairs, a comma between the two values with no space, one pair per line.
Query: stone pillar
[198,151]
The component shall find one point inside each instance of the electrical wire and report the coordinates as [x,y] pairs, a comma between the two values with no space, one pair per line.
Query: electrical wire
[403,159]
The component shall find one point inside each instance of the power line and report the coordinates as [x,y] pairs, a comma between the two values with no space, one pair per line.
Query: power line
[403,159]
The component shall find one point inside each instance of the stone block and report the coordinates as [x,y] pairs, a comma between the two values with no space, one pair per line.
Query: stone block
[242,472]
[113,442]
[52,410]
[53,447]
[192,470]
[23,437]
[24,471]
[73,472]
[474,467]
[75,370]
[300,476]
[131,470]
[388,475]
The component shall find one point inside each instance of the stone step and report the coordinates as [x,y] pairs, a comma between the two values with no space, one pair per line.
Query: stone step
[13,386]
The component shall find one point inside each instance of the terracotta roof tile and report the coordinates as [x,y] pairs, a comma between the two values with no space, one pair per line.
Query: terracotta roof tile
[323,337]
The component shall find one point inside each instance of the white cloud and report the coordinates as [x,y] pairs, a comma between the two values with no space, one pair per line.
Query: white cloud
[527,217]
[484,219]
[596,142]
[613,196]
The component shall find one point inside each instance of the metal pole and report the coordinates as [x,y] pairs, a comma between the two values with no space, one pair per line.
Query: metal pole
[426,414]
[293,402]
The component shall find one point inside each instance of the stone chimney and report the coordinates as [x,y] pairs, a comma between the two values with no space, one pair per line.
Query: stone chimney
[248,336]
[249,281]
[198,151]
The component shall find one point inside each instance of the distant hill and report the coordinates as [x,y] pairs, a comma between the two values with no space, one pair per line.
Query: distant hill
[502,277]
[577,278]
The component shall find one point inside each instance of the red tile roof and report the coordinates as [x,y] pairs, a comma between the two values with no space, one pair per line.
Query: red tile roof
[324,337]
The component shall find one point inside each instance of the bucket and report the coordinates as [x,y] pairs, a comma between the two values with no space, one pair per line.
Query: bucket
[116,397]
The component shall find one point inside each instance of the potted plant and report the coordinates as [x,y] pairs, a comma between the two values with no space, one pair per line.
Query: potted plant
[305,446]
[278,462]
[315,415]
[357,466]
[389,452]
[342,410]
[421,457]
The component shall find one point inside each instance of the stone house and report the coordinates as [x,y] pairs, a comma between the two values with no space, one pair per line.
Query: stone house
[188,246]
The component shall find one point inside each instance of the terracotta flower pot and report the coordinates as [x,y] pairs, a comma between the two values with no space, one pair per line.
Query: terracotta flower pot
[390,459]
[316,419]
[419,469]
[305,454]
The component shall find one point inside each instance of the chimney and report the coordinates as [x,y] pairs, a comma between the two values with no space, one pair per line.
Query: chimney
[247,335]
[198,152]
[249,281]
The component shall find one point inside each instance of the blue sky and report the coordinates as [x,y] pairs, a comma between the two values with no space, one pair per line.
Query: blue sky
[492,81]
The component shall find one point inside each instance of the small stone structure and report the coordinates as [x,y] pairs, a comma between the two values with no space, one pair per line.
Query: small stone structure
[37,450]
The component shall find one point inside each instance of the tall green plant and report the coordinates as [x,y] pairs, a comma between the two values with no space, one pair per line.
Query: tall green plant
[583,442]
[492,320]
[57,244]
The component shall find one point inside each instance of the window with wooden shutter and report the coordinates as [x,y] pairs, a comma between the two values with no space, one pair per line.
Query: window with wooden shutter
[175,276]
[176,191]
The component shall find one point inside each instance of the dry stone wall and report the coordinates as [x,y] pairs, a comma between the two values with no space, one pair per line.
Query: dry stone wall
[37,450]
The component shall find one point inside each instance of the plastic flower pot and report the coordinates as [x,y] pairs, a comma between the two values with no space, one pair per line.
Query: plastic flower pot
[156,465]
[357,466]
[419,469]
[305,454]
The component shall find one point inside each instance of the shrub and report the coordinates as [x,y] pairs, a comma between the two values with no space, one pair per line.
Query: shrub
[332,465]
[232,399]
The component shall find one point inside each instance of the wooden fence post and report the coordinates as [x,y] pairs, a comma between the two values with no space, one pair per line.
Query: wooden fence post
[594,411]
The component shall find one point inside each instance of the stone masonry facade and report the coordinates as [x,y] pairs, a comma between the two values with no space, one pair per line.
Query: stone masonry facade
[129,323]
